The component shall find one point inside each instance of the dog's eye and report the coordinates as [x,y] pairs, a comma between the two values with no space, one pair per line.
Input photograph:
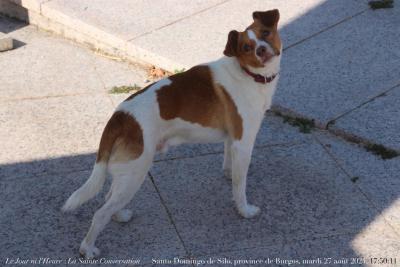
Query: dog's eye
[247,48]
[265,34]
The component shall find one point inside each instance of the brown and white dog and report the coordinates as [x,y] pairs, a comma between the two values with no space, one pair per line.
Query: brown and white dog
[221,101]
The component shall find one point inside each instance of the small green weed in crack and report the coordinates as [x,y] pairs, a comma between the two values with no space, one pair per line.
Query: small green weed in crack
[381,4]
[176,71]
[124,89]
[304,125]
[382,151]
[330,123]
[354,179]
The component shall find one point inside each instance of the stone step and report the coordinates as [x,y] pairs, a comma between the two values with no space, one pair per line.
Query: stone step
[6,43]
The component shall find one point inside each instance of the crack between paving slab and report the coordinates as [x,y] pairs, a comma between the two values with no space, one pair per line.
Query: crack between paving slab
[371,202]
[354,138]
[178,20]
[169,215]
[331,156]
[102,82]
[326,29]
[46,97]
[330,122]
[187,157]
[347,136]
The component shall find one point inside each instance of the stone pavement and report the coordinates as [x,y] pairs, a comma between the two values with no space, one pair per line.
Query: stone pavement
[321,197]
[341,64]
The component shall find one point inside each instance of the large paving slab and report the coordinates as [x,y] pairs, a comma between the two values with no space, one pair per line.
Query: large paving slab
[301,191]
[32,225]
[377,121]
[341,68]
[50,128]
[378,179]
[51,66]
[202,37]
[124,18]
[46,67]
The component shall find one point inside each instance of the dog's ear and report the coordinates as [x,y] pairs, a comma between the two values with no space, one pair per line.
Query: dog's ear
[231,47]
[268,18]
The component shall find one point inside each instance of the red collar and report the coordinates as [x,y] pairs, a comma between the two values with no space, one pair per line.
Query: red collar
[259,78]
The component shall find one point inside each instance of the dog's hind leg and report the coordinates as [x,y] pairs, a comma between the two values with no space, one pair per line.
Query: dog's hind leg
[127,179]
[123,215]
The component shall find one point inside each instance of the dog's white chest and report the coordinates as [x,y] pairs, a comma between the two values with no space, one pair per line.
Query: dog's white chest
[251,98]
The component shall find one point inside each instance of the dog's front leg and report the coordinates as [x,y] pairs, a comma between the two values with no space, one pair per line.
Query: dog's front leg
[241,156]
[227,166]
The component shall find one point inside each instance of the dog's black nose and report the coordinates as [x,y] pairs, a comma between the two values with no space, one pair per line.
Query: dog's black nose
[261,51]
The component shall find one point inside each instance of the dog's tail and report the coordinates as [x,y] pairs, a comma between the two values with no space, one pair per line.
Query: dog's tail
[96,180]
[88,189]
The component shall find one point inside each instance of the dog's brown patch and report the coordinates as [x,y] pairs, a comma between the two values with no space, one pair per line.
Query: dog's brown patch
[193,97]
[233,123]
[122,139]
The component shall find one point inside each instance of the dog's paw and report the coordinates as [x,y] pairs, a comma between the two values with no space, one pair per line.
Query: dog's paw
[123,216]
[227,174]
[89,252]
[249,211]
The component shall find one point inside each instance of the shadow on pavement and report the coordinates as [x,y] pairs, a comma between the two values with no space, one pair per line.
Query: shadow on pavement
[8,25]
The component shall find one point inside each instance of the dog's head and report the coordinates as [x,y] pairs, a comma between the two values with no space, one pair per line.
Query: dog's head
[259,43]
